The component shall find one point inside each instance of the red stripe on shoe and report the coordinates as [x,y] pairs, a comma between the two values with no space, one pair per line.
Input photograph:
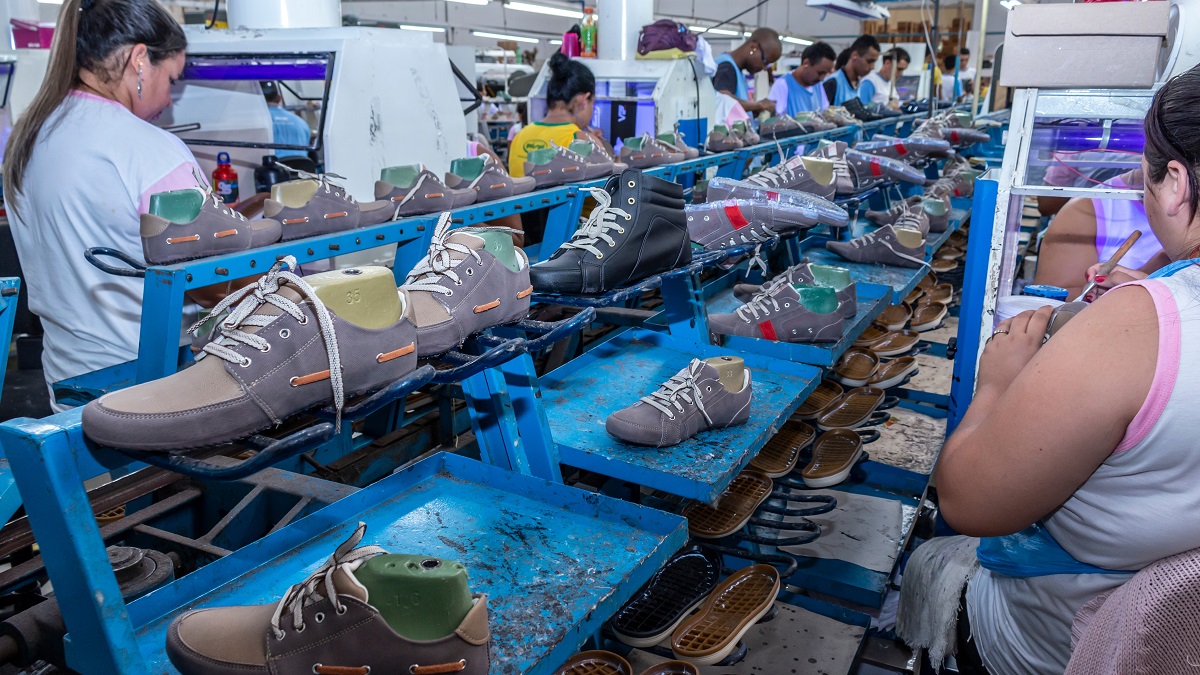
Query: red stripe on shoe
[954,136]
[773,196]
[876,170]
[734,213]
[768,330]
[900,149]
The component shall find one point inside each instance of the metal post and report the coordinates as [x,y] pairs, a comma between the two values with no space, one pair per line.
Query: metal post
[933,94]
[979,60]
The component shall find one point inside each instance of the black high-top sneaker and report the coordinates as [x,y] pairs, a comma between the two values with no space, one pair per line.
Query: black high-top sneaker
[638,229]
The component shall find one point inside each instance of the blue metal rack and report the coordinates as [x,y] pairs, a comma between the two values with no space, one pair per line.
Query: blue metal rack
[10,288]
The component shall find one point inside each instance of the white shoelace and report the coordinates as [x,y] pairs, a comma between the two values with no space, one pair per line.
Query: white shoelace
[411,193]
[870,238]
[210,193]
[911,220]
[759,303]
[320,583]
[438,262]
[596,228]
[266,292]
[681,386]
[325,180]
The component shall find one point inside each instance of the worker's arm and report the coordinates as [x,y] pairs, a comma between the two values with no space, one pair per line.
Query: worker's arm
[1044,418]
[1069,248]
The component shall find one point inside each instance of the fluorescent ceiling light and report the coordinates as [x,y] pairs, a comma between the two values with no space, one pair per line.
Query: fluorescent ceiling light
[858,9]
[555,42]
[501,36]
[713,31]
[470,2]
[1009,4]
[51,2]
[544,9]
[796,40]
[427,29]
[746,33]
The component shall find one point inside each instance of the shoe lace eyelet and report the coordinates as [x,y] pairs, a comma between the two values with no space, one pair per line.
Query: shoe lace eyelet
[632,184]
[246,363]
[342,610]
[599,256]
[285,333]
[266,349]
[319,617]
[632,200]
[303,321]
[301,628]
[470,271]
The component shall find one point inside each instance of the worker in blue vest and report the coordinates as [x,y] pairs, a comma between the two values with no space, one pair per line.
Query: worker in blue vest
[754,55]
[844,83]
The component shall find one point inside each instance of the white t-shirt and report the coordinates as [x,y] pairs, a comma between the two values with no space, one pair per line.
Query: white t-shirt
[881,87]
[91,174]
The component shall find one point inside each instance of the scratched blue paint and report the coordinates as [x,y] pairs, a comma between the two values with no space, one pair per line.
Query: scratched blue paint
[581,395]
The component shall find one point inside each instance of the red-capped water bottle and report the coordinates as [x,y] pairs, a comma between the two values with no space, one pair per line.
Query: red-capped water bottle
[225,179]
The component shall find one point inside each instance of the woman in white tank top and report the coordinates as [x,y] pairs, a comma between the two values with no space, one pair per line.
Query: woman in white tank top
[1077,460]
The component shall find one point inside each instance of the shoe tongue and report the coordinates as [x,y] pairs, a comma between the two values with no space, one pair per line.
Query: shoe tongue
[463,239]
[346,583]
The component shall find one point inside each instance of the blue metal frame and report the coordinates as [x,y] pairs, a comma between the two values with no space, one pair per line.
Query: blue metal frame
[979,245]
[10,289]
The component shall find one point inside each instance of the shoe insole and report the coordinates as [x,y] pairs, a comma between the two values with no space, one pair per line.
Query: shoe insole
[893,368]
[836,278]
[177,206]
[467,168]
[816,403]
[870,336]
[943,265]
[401,176]
[364,296]
[851,409]
[832,451]
[778,457]
[820,169]
[732,371]
[420,597]
[295,193]
[895,316]
[673,668]
[500,244]
[818,299]
[909,238]
[858,364]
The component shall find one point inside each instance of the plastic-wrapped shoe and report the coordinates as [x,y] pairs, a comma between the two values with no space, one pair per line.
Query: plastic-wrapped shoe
[557,165]
[721,139]
[808,274]
[363,611]
[709,394]
[487,178]
[312,206]
[734,222]
[473,278]
[414,190]
[780,126]
[645,151]
[746,132]
[784,312]
[807,209]
[903,149]
[194,223]
[804,174]
[595,153]
[287,345]
[856,171]
[886,246]
[637,230]
[958,129]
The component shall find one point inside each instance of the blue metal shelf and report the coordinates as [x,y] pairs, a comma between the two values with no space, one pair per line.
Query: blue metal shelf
[580,396]
[870,306]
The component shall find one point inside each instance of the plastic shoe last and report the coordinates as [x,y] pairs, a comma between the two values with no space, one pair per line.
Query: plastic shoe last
[313,206]
[473,278]
[334,623]
[288,344]
[885,246]
[487,178]
[637,230]
[785,313]
[808,274]
[194,223]
[672,593]
[708,394]
[413,190]
[732,609]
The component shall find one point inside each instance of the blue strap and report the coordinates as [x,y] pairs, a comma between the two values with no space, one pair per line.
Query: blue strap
[1032,552]
[1173,268]
[845,92]
[742,92]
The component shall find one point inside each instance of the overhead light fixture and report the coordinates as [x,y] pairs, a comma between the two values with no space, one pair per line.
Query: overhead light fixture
[853,8]
[427,29]
[796,40]
[544,9]
[51,2]
[713,31]
[471,2]
[555,42]
[501,36]
[746,33]
[1009,4]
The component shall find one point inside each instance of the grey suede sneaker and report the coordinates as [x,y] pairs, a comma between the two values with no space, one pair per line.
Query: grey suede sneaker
[413,190]
[646,151]
[813,122]
[287,345]
[808,274]
[733,222]
[804,174]
[675,142]
[903,149]
[784,312]
[780,126]
[352,616]
[840,116]
[194,223]
[473,278]
[723,140]
[888,245]
[708,394]
[557,165]
[890,216]
[313,205]
[915,218]
[746,132]
[595,153]
[487,178]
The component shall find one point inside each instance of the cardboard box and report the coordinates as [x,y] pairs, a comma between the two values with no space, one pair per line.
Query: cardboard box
[1107,44]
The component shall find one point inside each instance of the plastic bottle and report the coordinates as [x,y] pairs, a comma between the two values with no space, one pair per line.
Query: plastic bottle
[225,179]
[587,33]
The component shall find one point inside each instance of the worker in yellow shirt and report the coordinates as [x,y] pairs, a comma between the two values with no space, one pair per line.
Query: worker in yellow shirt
[571,99]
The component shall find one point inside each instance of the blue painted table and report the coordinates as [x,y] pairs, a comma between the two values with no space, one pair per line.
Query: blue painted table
[580,396]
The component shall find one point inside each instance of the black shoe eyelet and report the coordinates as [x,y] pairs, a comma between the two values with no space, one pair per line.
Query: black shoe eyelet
[319,617]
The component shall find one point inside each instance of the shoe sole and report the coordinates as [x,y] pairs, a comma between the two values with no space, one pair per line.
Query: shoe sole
[895,380]
[740,583]
[926,327]
[641,643]
[837,478]
[736,505]
[852,383]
